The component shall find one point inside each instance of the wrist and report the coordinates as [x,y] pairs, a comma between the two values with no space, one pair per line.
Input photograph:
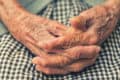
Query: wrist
[10,13]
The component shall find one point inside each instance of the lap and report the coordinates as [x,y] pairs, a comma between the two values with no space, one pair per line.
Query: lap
[15,59]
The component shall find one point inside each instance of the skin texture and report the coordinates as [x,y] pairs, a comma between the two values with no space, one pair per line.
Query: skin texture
[88,29]
[23,24]
[96,24]
[30,29]
[73,57]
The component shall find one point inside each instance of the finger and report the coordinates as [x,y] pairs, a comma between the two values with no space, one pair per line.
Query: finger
[80,52]
[75,67]
[57,45]
[65,58]
[78,22]
[52,60]
[80,65]
[51,71]
[84,20]
[65,42]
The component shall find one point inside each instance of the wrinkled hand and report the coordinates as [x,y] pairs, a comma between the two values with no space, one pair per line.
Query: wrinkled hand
[30,28]
[26,27]
[92,26]
[67,61]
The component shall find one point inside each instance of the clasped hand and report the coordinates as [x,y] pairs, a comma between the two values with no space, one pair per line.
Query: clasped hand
[76,48]
[61,50]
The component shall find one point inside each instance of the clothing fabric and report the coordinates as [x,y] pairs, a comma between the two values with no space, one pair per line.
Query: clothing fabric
[94,2]
[15,59]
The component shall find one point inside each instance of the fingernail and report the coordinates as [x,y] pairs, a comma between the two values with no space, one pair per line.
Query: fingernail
[35,60]
[98,49]
[42,62]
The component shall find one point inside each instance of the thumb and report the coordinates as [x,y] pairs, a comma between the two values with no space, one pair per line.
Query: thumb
[78,22]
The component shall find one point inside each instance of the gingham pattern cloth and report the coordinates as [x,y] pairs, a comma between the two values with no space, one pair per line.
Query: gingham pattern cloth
[15,59]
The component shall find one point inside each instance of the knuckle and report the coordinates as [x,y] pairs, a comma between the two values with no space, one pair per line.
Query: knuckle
[48,71]
[92,55]
[78,55]
[93,40]
[75,68]
[78,68]
[45,63]
[93,52]
[37,68]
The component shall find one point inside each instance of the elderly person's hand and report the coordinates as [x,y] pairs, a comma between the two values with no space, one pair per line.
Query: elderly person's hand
[26,28]
[67,61]
[90,27]
[23,24]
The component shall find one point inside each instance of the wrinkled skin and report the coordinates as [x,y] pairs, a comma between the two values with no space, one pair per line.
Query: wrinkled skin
[26,27]
[92,26]
[33,28]
[69,57]
[30,29]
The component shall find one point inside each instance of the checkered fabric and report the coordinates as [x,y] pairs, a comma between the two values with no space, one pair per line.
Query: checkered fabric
[15,59]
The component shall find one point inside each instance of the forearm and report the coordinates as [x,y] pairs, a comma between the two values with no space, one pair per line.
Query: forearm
[13,14]
[10,9]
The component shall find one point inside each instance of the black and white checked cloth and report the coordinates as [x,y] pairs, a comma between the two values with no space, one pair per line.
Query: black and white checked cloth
[15,59]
